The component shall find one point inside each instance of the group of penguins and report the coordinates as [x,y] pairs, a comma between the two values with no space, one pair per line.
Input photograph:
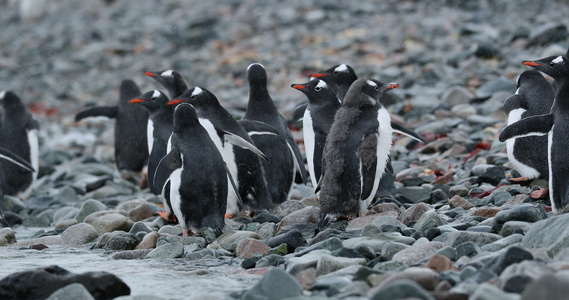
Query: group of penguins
[206,165]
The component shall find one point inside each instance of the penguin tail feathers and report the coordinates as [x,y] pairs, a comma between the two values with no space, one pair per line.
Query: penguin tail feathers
[325,220]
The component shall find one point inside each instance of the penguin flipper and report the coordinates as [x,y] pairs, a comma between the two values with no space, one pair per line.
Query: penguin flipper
[242,143]
[408,132]
[319,141]
[235,188]
[367,154]
[15,159]
[297,156]
[98,111]
[514,102]
[531,126]
[33,124]
[256,127]
[298,112]
[168,164]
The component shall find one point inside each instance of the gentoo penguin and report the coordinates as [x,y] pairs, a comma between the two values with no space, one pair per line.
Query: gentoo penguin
[18,134]
[283,154]
[243,160]
[12,158]
[171,80]
[341,75]
[555,125]
[533,97]
[316,122]
[197,174]
[131,150]
[158,131]
[356,151]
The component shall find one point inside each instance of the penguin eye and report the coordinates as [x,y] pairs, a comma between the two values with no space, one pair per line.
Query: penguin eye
[317,88]
[193,96]
[153,98]
[551,65]
[377,88]
[336,72]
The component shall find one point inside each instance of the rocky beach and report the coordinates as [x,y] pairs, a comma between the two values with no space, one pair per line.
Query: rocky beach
[469,232]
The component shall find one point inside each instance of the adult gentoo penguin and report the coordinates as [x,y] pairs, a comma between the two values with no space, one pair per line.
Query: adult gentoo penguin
[12,158]
[317,121]
[555,125]
[171,80]
[197,174]
[158,131]
[356,151]
[18,134]
[236,148]
[283,155]
[534,96]
[131,150]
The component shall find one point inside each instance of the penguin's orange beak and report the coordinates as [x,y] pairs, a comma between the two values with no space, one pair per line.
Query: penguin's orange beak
[149,74]
[175,101]
[318,75]
[530,63]
[297,86]
[393,85]
[136,100]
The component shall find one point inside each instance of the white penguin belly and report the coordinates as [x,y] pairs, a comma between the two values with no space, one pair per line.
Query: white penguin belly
[34,150]
[309,145]
[384,140]
[150,135]
[226,151]
[175,197]
[524,170]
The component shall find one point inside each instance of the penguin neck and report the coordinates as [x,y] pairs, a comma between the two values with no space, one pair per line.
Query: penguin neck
[164,114]
[562,95]
[260,100]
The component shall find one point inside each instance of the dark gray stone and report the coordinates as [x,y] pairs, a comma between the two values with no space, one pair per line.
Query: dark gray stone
[401,289]
[521,212]
[276,284]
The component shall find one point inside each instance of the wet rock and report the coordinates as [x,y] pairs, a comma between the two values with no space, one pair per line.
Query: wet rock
[230,240]
[79,234]
[439,263]
[65,224]
[132,254]
[42,282]
[202,254]
[307,215]
[172,230]
[88,207]
[165,251]
[293,239]
[117,240]
[454,239]
[276,284]
[7,237]
[328,263]
[71,292]
[109,222]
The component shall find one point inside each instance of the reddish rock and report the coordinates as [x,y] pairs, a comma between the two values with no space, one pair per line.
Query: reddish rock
[361,222]
[457,201]
[307,215]
[439,263]
[384,207]
[148,241]
[413,213]
[444,179]
[306,277]
[248,246]
[486,212]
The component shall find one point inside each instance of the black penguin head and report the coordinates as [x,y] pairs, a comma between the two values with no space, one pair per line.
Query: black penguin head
[554,66]
[9,99]
[151,100]
[170,79]
[528,77]
[128,89]
[316,90]
[339,74]
[197,96]
[184,116]
[256,75]
[367,93]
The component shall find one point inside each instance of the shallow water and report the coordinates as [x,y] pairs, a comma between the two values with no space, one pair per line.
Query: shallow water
[169,278]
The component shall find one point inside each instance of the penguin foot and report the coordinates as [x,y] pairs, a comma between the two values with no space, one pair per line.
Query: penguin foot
[229,216]
[519,179]
[185,232]
[164,215]
[539,194]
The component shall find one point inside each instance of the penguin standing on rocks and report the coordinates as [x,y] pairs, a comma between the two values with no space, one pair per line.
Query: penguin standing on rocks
[16,160]
[158,131]
[236,148]
[171,80]
[18,134]
[356,151]
[341,77]
[131,150]
[534,96]
[556,125]
[283,155]
[317,121]
[197,174]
